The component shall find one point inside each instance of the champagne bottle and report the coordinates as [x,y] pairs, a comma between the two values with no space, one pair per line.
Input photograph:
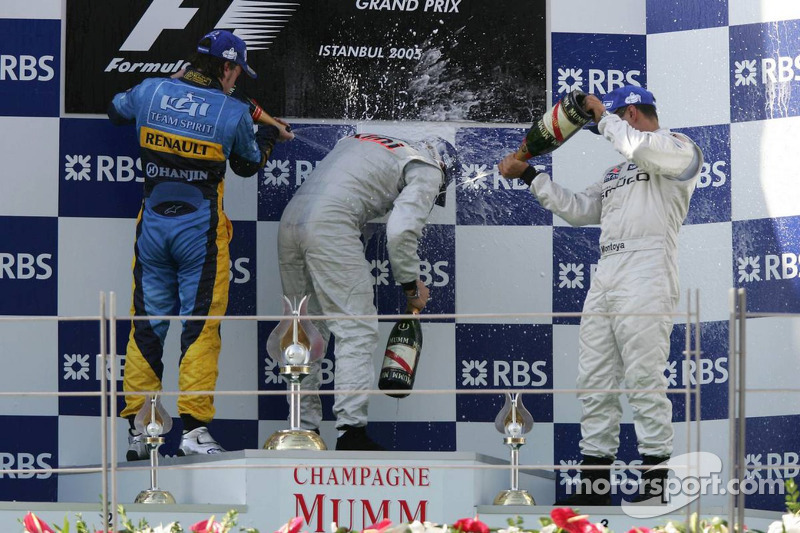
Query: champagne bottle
[401,357]
[556,126]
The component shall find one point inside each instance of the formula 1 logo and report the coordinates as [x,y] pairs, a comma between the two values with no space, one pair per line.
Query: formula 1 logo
[255,22]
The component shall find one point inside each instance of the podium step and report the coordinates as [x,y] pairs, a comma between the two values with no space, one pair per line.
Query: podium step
[353,489]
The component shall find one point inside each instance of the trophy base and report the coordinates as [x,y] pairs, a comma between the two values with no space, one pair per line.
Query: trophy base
[154,496]
[295,439]
[514,497]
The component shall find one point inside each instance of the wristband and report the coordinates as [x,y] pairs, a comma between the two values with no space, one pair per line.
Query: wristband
[408,287]
[528,174]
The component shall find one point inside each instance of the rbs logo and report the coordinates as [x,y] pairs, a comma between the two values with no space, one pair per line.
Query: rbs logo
[239,273]
[24,461]
[25,266]
[599,81]
[712,175]
[26,68]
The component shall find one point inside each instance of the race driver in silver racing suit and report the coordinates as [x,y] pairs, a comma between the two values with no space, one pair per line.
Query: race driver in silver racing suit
[640,205]
[321,255]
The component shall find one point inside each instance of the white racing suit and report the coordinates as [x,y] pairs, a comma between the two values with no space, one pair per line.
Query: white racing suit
[640,205]
[320,252]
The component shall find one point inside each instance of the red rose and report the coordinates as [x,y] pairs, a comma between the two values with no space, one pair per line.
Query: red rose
[471,525]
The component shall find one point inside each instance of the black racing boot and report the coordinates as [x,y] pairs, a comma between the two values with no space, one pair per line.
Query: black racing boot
[356,438]
[653,486]
[591,490]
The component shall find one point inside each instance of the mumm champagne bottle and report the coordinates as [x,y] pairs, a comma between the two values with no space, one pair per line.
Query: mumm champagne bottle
[401,357]
[556,126]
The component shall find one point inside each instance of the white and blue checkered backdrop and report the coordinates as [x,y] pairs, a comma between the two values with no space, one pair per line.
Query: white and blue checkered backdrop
[726,72]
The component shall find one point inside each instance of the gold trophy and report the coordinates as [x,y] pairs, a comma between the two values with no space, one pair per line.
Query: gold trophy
[514,421]
[295,344]
[154,421]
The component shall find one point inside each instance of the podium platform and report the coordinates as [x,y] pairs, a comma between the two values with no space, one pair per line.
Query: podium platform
[353,489]
[267,487]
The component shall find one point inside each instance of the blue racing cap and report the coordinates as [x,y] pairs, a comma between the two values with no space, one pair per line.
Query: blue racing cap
[628,95]
[623,97]
[226,45]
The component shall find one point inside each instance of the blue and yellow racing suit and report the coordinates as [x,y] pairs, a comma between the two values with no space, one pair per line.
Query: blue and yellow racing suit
[187,129]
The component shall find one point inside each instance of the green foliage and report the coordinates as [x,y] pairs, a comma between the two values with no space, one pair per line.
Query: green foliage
[792,495]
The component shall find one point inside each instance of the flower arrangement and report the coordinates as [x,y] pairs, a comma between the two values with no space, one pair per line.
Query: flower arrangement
[561,520]
[34,524]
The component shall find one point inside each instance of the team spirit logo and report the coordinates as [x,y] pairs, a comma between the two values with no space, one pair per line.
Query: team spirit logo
[192,105]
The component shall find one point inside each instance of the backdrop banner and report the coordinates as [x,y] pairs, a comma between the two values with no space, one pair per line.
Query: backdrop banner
[433,60]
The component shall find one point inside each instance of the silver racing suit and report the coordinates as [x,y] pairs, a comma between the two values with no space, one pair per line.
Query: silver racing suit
[640,205]
[320,252]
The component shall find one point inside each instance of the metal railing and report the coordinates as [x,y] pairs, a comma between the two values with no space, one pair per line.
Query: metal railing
[109,467]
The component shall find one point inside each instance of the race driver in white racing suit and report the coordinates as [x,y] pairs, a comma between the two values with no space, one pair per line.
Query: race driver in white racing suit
[321,255]
[640,205]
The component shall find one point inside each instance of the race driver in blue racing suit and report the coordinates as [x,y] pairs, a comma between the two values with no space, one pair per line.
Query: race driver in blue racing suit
[187,128]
